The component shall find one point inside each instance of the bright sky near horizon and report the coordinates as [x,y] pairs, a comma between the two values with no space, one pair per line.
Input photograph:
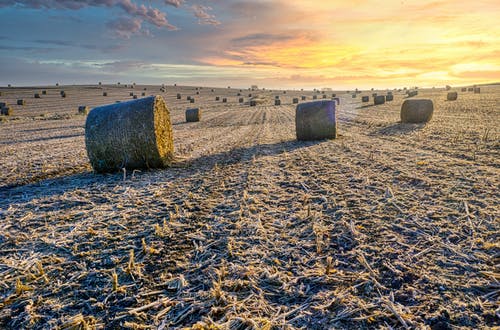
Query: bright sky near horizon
[271,43]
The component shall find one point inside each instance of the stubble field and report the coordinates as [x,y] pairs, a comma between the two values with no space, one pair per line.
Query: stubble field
[389,226]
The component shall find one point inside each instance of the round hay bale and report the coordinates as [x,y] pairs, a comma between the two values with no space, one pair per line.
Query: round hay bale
[37,96]
[284,92]
[303,98]
[239,94]
[179,96]
[224,100]
[100,83]
[277,102]
[217,98]
[477,90]
[470,89]
[464,89]
[197,93]
[389,97]
[104,94]
[131,135]
[9,85]
[57,84]
[324,96]
[353,96]
[253,103]
[334,95]
[448,87]
[212,90]
[277,97]
[193,115]
[3,104]
[188,98]
[83,110]
[191,100]
[379,99]
[6,111]
[249,95]
[374,94]
[131,94]
[44,92]
[316,120]
[416,111]
[389,93]
[295,100]
[315,97]
[63,94]
[21,102]
[452,96]
[143,94]
[145,89]
[240,100]
[135,97]
[365,99]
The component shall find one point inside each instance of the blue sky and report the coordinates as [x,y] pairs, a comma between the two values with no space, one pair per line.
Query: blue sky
[272,43]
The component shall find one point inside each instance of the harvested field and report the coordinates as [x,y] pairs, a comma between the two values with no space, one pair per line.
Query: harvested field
[388,226]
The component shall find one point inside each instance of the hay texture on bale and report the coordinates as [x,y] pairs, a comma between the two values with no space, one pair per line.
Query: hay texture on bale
[83,110]
[417,111]
[452,96]
[316,120]
[193,115]
[389,97]
[132,135]
[379,99]
[365,99]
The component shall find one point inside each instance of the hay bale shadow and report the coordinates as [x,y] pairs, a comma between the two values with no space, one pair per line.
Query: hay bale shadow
[365,106]
[399,129]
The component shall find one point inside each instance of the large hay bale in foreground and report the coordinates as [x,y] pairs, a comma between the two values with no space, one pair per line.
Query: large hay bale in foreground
[452,96]
[316,120]
[417,111]
[365,99]
[379,99]
[193,115]
[133,134]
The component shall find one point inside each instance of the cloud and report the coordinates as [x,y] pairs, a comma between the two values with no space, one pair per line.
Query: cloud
[175,3]
[201,12]
[125,27]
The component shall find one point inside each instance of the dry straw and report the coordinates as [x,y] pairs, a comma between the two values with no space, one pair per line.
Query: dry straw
[193,115]
[452,96]
[316,120]
[379,99]
[417,111]
[131,135]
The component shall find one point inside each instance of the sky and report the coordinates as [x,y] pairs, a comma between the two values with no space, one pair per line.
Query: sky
[270,43]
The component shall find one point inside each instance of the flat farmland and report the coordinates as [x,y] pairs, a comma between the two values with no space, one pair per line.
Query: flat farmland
[389,226]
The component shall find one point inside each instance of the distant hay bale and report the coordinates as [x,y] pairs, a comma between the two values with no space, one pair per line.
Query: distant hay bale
[193,115]
[452,96]
[100,83]
[334,95]
[374,95]
[217,98]
[477,90]
[324,96]
[135,97]
[303,98]
[379,99]
[61,93]
[44,92]
[191,100]
[277,97]
[315,97]
[389,97]
[6,111]
[224,100]
[240,100]
[179,96]
[131,135]
[83,110]
[9,85]
[143,94]
[197,93]
[284,92]
[239,94]
[277,102]
[353,96]
[448,87]
[57,84]
[365,99]
[3,104]
[212,90]
[37,96]
[104,94]
[253,103]
[470,89]
[250,95]
[295,100]
[412,93]
[389,93]
[188,98]
[464,89]
[416,111]
[21,102]
[316,120]
[145,89]
[131,94]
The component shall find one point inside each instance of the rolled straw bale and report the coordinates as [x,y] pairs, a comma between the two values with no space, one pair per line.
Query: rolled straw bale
[6,111]
[9,85]
[191,100]
[334,95]
[212,90]
[416,111]
[197,93]
[21,102]
[365,99]
[3,104]
[100,83]
[250,95]
[61,93]
[470,89]
[133,134]
[253,103]
[135,97]
[131,94]
[239,94]
[240,100]
[284,92]
[464,89]
[353,96]
[277,102]
[188,98]
[277,97]
[224,100]
[83,110]
[315,97]
[324,96]
[389,97]
[179,96]
[389,92]
[217,98]
[452,96]
[44,92]
[37,96]
[143,94]
[316,120]
[57,84]
[374,94]
[379,99]
[104,94]
[295,100]
[448,87]
[145,89]
[303,98]
[193,115]
[477,90]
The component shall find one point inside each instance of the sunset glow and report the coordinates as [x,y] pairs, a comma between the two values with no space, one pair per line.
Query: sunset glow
[291,43]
